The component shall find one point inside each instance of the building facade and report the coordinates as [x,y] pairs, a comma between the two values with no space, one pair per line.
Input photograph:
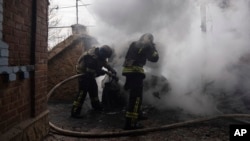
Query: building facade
[23,69]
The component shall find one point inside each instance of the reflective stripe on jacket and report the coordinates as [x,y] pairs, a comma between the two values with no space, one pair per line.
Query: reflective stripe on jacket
[137,55]
[133,69]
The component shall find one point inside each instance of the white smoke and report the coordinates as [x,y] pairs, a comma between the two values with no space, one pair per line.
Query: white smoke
[189,58]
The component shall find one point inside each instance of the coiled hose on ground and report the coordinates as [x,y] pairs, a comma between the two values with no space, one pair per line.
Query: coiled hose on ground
[66,132]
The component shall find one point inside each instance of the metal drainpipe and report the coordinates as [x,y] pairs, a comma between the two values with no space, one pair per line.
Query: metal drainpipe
[33,57]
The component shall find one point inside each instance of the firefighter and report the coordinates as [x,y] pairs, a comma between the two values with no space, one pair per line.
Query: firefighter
[138,53]
[90,64]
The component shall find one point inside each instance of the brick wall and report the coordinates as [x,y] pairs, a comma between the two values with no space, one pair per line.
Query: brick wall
[16,30]
[24,31]
[62,61]
[61,67]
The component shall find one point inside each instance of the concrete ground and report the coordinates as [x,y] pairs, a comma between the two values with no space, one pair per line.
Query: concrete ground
[112,121]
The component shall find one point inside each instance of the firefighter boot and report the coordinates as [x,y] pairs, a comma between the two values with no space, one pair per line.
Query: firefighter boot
[131,124]
[76,109]
[77,104]
[75,112]
[142,116]
[97,105]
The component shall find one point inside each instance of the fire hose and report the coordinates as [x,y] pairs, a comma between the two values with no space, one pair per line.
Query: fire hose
[66,132]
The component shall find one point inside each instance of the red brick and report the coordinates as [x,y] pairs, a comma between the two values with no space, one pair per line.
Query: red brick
[25,114]
[23,108]
[26,3]
[6,100]
[16,29]
[12,121]
[10,23]
[4,109]
[2,124]
[8,115]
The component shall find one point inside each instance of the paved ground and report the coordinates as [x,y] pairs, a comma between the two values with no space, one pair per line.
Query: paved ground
[214,130]
[112,121]
[202,132]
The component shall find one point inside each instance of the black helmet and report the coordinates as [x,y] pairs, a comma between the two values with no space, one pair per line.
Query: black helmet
[147,38]
[105,51]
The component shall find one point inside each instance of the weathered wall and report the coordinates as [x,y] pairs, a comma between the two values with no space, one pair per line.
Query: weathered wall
[61,67]
[23,73]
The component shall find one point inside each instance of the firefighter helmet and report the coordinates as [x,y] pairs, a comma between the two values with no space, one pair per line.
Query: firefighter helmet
[147,38]
[105,51]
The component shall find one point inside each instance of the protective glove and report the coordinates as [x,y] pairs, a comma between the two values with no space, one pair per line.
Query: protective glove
[113,75]
[113,71]
[101,72]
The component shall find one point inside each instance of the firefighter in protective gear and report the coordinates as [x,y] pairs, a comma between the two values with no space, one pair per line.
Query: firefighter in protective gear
[138,53]
[90,64]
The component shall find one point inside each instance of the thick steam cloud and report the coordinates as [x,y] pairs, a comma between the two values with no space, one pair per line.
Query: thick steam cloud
[201,65]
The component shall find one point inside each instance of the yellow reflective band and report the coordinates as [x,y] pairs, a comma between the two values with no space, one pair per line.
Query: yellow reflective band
[155,54]
[80,96]
[133,69]
[140,51]
[132,115]
[137,105]
[75,103]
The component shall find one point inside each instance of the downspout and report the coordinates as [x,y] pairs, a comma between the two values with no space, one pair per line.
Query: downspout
[33,57]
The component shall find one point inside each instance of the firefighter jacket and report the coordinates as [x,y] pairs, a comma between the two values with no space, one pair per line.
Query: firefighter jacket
[90,63]
[137,55]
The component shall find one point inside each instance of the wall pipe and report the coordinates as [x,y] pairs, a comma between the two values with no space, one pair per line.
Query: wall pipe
[33,57]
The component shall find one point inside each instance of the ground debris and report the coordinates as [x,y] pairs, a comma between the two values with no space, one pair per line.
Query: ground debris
[96,122]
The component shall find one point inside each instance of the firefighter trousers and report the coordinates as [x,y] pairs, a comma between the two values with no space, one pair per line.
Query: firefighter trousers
[134,83]
[87,85]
